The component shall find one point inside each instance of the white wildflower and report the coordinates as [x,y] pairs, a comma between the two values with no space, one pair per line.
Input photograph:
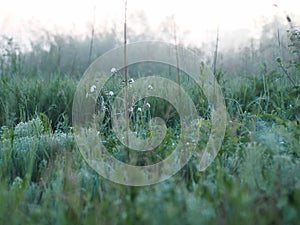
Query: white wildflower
[150,87]
[139,109]
[148,105]
[93,88]
[110,93]
[131,81]
[18,182]
[113,70]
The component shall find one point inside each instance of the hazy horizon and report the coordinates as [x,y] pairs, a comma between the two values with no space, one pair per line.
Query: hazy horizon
[196,22]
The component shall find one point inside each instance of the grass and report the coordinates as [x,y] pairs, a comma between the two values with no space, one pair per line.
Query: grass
[254,179]
[23,98]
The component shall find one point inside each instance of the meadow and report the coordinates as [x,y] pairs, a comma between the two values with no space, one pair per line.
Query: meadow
[255,178]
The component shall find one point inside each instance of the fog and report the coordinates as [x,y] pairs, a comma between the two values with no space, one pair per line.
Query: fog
[63,36]
[196,22]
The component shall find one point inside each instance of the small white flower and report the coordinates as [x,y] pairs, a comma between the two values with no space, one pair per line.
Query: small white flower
[148,105]
[111,93]
[130,109]
[113,70]
[139,109]
[150,87]
[93,88]
[131,81]
[17,182]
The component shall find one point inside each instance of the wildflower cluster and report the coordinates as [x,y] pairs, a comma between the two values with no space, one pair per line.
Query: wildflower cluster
[145,106]
[33,127]
[32,146]
[17,184]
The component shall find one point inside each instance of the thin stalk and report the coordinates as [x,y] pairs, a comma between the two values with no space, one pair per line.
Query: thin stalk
[126,80]
[179,84]
[216,54]
[215,59]
[92,35]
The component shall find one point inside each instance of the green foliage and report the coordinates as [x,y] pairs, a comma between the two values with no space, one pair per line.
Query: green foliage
[22,98]
[27,150]
[45,180]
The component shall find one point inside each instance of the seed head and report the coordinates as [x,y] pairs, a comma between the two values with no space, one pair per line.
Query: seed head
[113,70]
[110,93]
[93,88]
[150,87]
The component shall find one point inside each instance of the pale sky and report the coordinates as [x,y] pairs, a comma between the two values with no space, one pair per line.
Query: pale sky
[198,18]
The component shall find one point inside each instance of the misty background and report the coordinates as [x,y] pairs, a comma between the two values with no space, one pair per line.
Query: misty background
[66,37]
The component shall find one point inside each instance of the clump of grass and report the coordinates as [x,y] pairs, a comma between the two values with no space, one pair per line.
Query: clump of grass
[27,149]
[22,98]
